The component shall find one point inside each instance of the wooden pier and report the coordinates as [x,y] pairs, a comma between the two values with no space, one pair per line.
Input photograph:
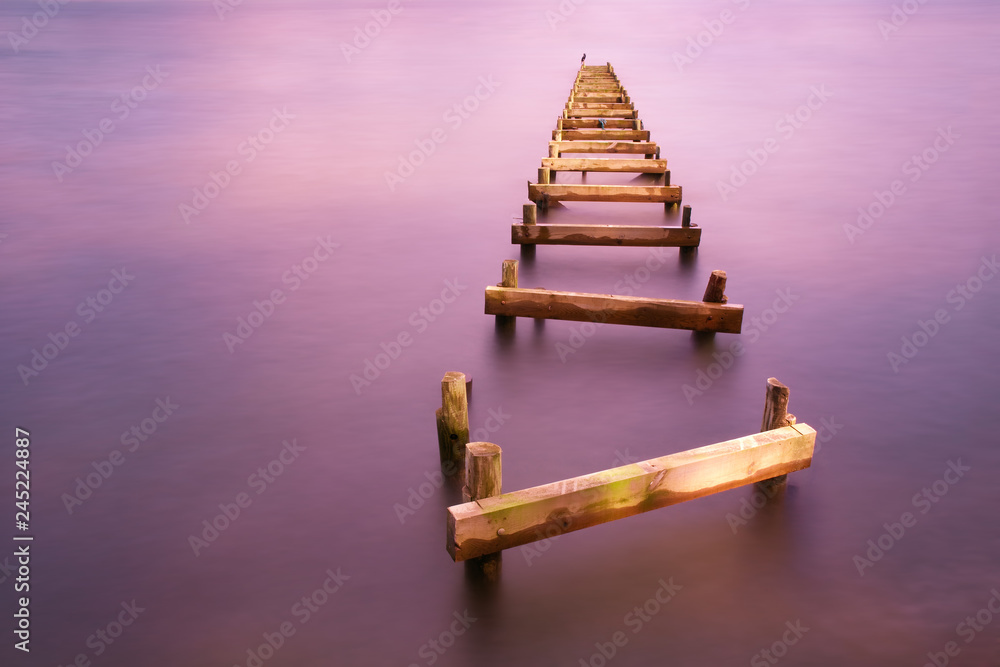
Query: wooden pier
[490,524]
[600,119]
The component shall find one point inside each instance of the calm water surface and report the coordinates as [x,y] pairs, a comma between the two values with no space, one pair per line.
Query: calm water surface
[328,127]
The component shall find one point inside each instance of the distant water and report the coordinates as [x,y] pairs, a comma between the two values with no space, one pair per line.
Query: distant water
[228,163]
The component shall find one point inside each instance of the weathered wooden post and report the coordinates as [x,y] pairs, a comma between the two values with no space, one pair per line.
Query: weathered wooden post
[544,174]
[666,177]
[715,291]
[775,416]
[453,422]
[530,216]
[687,253]
[508,275]
[483,478]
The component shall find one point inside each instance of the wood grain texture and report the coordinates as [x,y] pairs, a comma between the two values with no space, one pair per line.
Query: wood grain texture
[599,105]
[613,309]
[454,414]
[600,135]
[641,147]
[512,519]
[619,165]
[604,235]
[601,113]
[594,123]
[607,193]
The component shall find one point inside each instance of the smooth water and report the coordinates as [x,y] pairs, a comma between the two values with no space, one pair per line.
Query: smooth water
[329,124]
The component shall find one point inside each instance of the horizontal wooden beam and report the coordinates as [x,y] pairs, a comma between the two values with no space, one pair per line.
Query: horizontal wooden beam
[512,519]
[606,235]
[645,148]
[614,309]
[601,113]
[597,97]
[594,123]
[609,193]
[599,134]
[598,105]
[622,165]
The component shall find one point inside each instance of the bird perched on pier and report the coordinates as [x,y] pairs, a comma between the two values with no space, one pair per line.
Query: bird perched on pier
[582,59]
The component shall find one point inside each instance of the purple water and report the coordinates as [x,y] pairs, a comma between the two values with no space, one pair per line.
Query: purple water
[330,123]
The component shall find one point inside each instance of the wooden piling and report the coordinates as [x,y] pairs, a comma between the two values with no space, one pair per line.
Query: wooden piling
[453,419]
[530,216]
[686,218]
[483,475]
[775,416]
[544,175]
[715,292]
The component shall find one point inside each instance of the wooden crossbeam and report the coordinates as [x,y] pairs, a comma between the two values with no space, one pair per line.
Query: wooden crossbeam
[509,520]
[541,192]
[597,97]
[594,123]
[599,134]
[613,309]
[633,166]
[606,235]
[601,113]
[572,106]
[646,148]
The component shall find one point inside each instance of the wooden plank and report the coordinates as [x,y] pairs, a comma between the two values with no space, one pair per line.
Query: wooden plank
[605,235]
[645,148]
[597,97]
[521,517]
[599,105]
[610,193]
[593,123]
[612,309]
[599,134]
[601,113]
[622,165]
